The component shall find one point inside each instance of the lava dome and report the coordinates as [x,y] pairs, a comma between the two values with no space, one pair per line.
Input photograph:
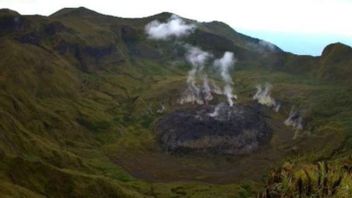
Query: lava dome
[219,129]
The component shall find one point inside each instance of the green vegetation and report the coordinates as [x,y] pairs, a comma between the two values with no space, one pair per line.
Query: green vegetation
[321,180]
[80,92]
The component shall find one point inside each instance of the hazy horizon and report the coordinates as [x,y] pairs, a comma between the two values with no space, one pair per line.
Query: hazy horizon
[301,44]
[300,27]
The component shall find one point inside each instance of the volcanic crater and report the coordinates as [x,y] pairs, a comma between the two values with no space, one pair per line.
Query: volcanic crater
[218,129]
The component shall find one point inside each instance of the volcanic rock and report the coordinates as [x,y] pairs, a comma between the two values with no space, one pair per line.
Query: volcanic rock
[219,129]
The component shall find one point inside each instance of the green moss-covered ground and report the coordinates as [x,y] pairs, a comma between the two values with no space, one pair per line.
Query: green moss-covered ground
[77,116]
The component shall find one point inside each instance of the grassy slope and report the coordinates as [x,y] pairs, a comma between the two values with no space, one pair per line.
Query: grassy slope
[63,128]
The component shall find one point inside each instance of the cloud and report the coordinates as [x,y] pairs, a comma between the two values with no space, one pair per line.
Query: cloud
[174,27]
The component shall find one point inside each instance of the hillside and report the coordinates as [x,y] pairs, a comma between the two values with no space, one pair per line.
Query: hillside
[81,93]
[336,62]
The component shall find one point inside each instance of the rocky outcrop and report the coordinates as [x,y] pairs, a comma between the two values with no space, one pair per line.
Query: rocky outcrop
[90,58]
[217,129]
[11,21]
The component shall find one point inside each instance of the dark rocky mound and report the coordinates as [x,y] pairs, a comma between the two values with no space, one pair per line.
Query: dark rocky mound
[217,129]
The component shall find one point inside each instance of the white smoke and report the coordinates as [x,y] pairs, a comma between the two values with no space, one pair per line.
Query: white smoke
[224,64]
[215,113]
[215,88]
[174,27]
[194,94]
[294,119]
[277,107]
[222,112]
[161,109]
[267,45]
[228,94]
[196,56]
[263,97]
[206,90]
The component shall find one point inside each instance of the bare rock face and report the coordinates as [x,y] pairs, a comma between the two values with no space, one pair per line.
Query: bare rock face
[217,129]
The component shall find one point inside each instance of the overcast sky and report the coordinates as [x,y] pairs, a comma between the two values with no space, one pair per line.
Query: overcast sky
[298,26]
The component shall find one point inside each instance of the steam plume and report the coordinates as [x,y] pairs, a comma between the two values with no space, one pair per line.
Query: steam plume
[197,58]
[277,107]
[161,109]
[225,64]
[263,97]
[206,91]
[215,88]
[174,27]
[267,45]
[215,113]
[294,119]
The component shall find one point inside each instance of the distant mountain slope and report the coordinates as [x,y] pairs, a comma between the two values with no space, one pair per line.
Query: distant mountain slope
[125,38]
[213,36]
[336,63]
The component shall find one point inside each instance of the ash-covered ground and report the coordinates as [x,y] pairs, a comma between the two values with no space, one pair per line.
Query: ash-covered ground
[219,129]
